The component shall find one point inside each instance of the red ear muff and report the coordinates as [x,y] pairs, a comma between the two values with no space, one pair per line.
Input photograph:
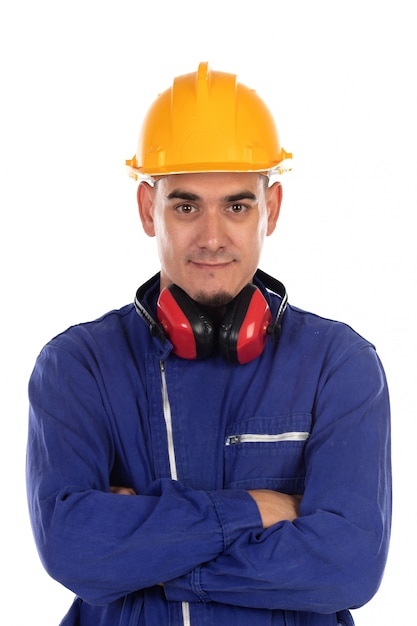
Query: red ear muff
[242,334]
[243,331]
[189,330]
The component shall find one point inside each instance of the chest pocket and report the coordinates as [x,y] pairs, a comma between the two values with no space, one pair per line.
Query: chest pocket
[267,453]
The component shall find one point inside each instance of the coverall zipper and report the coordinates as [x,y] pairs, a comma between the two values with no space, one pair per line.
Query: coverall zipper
[168,424]
[172,462]
[266,438]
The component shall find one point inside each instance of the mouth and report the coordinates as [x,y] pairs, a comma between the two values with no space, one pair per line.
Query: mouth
[211,266]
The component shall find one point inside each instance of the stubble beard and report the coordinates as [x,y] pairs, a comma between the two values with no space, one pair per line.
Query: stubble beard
[214,300]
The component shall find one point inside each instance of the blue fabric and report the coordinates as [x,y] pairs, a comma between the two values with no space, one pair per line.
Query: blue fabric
[97,419]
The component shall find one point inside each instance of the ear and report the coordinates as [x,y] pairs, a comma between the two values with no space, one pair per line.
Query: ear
[146,196]
[273,202]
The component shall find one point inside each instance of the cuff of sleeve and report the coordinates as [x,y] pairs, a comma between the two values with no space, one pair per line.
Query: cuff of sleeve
[237,512]
[186,588]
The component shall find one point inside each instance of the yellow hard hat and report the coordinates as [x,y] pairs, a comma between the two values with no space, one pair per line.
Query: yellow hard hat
[207,122]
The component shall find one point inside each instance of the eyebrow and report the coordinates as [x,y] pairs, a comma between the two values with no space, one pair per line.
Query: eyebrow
[192,197]
[178,194]
[242,195]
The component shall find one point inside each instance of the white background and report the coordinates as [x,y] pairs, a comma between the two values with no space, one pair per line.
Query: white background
[76,79]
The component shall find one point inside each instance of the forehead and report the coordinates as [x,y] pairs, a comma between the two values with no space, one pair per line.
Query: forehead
[212,183]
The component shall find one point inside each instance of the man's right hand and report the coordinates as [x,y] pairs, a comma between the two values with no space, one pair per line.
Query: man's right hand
[275,507]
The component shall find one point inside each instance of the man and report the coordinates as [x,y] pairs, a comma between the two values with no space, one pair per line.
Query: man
[210,455]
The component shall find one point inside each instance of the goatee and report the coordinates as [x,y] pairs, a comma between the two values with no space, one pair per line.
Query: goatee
[220,299]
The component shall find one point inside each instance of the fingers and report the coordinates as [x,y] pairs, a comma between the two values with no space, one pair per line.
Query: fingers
[126,491]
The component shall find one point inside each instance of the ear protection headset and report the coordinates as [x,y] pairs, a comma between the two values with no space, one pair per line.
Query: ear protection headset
[241,335]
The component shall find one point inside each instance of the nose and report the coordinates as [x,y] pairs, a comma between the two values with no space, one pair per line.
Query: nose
[212,231]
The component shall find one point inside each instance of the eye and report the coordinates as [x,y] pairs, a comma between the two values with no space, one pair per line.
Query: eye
[185,209]
[237,208]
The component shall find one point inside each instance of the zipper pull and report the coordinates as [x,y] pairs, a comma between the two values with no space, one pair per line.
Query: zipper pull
[232,440]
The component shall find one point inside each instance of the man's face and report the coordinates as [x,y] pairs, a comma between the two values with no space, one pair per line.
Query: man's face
[210,230]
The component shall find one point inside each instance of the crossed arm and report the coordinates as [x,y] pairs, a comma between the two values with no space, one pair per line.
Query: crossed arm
[273,506]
